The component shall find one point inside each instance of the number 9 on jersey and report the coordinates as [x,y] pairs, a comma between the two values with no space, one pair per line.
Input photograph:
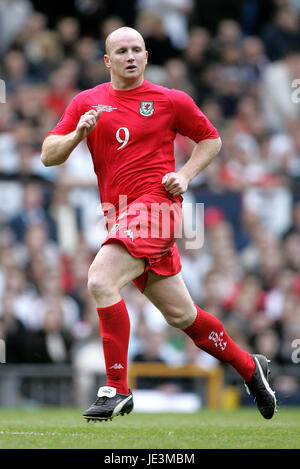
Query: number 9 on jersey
[122,135]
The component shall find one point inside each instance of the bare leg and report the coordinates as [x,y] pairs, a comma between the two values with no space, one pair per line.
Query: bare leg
[172,298]
[170,295]
[112,268]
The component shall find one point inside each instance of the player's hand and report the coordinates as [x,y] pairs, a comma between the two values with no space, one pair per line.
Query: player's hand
[87,123]
[175,183]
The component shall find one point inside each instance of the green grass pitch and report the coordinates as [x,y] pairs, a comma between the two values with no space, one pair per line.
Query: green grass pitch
[51,428]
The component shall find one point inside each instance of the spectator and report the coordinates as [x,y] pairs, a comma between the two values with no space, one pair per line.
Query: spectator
[15,334]
[174,14]
[157,40]
[178,77]
[254,59]
[195,52]
[15,70]
[32,213]
[267,199]
[279,111]
[52,343]
[282,34]
[13,17]
[63,83]
[68,30]
[44,53]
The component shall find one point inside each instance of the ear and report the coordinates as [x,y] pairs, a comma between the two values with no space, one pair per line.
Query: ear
[107,61]
[147,57]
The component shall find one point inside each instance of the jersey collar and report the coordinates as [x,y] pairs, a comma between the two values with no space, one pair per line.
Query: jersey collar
[131,92]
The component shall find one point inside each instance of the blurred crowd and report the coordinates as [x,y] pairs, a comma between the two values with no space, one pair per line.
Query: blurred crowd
[246,79]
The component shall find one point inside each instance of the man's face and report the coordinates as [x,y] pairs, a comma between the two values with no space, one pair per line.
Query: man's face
[126,56]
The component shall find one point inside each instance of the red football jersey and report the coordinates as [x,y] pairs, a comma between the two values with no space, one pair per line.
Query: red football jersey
[133,144]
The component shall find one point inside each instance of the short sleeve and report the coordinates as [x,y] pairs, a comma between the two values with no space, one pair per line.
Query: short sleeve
[189,119]
[69,119]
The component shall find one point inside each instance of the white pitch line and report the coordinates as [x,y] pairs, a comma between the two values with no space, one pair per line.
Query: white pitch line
[6,432]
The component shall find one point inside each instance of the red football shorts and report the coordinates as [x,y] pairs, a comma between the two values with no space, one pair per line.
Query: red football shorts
[148,228]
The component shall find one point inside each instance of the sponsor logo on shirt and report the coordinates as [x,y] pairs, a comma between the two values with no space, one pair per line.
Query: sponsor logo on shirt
[146,108]
[103,107]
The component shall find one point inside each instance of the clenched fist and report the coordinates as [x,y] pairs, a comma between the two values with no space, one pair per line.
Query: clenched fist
[87,123]
[175,183]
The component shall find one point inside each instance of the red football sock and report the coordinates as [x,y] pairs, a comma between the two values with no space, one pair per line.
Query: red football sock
[115,330]
[208,333]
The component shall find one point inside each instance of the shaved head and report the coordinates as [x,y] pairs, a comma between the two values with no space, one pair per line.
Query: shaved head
[126,57]
[114,38]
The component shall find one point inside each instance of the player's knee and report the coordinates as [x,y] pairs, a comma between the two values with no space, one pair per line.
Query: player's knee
[179,317]
[175,321]
[100,285]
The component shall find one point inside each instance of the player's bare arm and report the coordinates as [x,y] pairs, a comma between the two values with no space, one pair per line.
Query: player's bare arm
[57,148]
[203,153]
